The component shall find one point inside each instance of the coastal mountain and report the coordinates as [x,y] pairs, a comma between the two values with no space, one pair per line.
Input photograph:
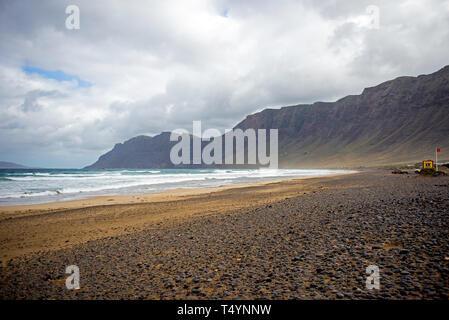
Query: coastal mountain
[398,121]
[138,152]
[11,165]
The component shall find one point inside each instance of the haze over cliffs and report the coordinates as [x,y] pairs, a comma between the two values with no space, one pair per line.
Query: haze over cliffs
[398,121]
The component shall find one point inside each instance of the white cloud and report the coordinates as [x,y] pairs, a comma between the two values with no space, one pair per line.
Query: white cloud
[158,65]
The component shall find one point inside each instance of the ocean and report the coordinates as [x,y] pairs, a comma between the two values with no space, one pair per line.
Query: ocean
[31,186]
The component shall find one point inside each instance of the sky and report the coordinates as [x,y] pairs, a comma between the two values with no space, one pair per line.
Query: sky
[143,67]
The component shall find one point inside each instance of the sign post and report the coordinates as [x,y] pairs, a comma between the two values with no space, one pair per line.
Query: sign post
[436,157]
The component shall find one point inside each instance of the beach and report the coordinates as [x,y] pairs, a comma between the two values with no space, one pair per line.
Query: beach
[310,238]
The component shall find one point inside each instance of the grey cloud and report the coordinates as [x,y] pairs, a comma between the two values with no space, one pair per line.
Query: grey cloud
[158,65]
[31,103]
[333,9]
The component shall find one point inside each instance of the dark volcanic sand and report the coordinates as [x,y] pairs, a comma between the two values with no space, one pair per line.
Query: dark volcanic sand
[316,246]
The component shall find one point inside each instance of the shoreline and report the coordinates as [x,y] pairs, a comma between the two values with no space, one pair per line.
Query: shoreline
[296,239]
[160,196]
[38,228]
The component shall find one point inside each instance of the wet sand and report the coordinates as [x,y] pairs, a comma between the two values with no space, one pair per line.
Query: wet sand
[301,238]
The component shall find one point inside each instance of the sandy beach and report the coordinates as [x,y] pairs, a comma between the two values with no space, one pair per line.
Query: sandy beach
[56,225]
[290,239]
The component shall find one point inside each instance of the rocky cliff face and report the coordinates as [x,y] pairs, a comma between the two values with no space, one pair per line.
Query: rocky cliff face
[138,152]
[398,121]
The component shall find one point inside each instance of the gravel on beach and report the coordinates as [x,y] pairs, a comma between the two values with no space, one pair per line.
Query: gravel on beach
[313,246]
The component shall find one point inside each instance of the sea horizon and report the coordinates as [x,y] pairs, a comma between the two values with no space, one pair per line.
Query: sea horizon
[39,185]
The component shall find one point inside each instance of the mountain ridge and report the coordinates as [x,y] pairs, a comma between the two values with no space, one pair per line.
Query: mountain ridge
[400,120]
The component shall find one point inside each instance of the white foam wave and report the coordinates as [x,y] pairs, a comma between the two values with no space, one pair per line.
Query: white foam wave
[45,184]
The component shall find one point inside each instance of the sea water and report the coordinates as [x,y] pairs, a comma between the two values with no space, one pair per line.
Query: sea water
[29,186]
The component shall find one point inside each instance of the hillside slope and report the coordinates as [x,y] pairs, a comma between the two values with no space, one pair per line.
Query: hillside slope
[398,121]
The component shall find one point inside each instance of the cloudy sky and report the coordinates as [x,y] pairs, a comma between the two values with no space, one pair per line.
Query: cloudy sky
[142,67]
